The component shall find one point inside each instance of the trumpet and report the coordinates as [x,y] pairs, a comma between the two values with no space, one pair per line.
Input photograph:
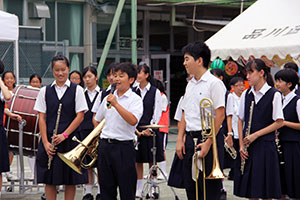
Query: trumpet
[87,147]
[230,150]
[208,130]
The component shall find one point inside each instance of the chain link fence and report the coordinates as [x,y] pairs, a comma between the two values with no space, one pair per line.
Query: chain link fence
[34,58]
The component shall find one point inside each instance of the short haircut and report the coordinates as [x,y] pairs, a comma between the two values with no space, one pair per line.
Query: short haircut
[35,76]
[217,72]
[197,50]
[128,68]
[3,76]
[110,68]
[91,69]
[235,80]
[291,65]
[289,76]
[60,57]
[80,76]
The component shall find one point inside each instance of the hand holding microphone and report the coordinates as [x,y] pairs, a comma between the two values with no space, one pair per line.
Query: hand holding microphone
[112,90]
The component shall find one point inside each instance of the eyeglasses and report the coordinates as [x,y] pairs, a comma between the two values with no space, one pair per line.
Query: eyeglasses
[239,85]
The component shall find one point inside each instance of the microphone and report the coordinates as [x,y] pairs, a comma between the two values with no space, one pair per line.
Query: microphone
[112,90]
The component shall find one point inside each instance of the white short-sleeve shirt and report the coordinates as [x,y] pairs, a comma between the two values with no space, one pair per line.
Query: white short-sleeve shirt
[286,100]
[92,94]
[80,102]
[98,100]
[207,87]
[232,108]
[277,104]
[115,126]
[178,113]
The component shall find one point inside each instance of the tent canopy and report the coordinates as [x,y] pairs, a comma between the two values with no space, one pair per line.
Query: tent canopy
[267,28]
[9,27]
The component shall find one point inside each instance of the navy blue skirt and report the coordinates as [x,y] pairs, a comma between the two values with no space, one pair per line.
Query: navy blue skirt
[291,173]
[59,173]
[176,178]
[4,158]
[144,153]
[261,177]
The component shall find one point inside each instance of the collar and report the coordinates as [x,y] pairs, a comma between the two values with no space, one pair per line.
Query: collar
[289,96]
[235,96]
[126,94]
[147,87]
[205,77]
[97,89]
[262,90]
[67,83]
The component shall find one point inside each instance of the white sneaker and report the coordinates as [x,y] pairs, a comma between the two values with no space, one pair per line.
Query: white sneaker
[10,176]
[161,176]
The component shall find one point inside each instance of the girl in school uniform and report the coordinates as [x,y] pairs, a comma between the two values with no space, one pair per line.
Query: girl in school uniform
[152,112]
[71,96]
[76,77]
[261,177]
[91,92]
[5,95]
[289,134]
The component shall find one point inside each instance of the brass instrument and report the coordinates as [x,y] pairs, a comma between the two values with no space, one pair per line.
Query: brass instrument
[55,133]
[208,130]
[88,146]
[246,134]
[230,150]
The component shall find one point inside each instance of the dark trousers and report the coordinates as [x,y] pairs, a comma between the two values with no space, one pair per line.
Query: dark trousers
[116,166]
[213,186]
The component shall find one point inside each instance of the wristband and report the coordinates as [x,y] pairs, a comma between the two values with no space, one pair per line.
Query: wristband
[65,135]
[230,133]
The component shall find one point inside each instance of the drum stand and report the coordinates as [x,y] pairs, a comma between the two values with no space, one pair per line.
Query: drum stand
[151,189]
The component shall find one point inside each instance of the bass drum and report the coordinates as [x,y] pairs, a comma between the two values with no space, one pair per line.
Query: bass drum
[22,104]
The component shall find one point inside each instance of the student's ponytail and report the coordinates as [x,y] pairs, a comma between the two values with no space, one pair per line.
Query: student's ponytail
[259,65]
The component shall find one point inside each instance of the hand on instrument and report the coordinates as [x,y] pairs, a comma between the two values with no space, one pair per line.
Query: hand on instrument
[249,139]
[57,139]
[138,133]
[243,154]
[112,99]
[147,132]
[229,141]
[50,152]
[180,149]
[204,147]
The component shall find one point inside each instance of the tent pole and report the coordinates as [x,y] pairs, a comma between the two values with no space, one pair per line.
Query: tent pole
[110,36]
[242,6]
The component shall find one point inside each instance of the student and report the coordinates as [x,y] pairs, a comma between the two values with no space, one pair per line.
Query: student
[5,95]
[289,134]
[116,163]
[164,120]
[76,77]
[9,80]
[293,66]
[35,81]
[110,77]
[261,178]
[202,85]
[232,107]
[91,92]
[152,112]
[71,96]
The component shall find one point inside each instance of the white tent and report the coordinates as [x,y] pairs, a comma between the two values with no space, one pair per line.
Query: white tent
[267,28]
[9,31]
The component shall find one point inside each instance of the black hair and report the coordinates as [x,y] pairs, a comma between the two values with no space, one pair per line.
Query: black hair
[3,75]
[128,68]
[235,80]
[1,66]
[35,76]
[60,57]
[218,72]
[159,85]
[80,75]
[92,69]
[110,68]
[259,65]
[197,50]
[289,76]
[291,65]
[146,70]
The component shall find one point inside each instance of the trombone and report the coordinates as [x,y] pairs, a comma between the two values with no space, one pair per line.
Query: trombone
[208,131]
